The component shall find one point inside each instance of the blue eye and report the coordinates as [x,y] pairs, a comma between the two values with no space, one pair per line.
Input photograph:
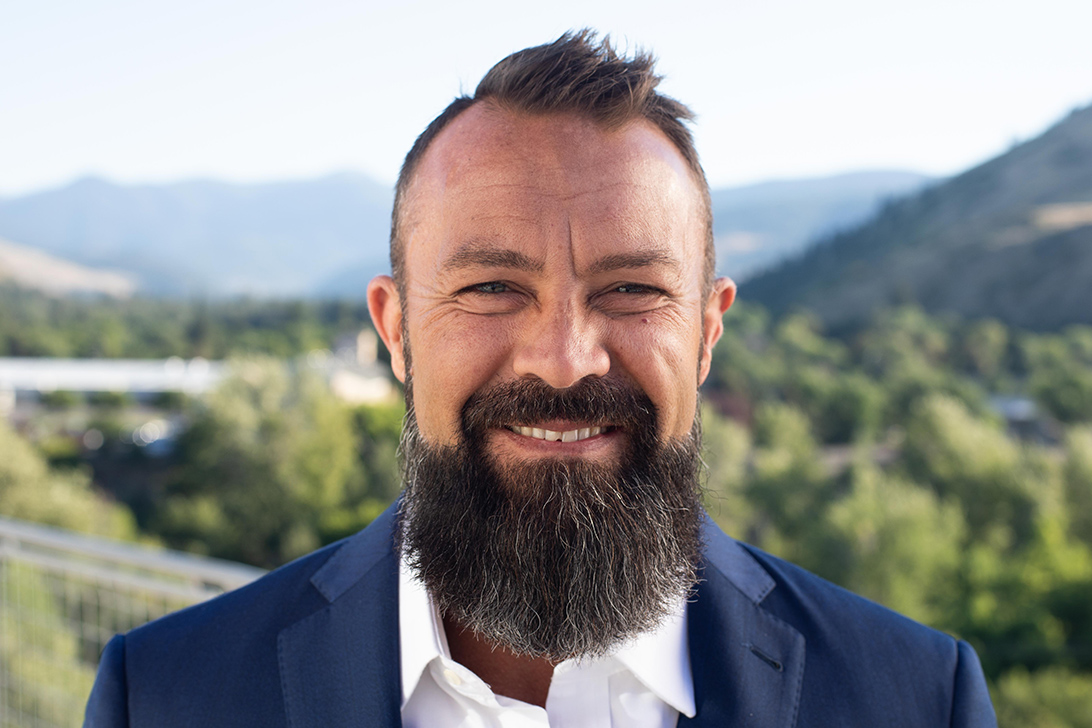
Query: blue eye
[491,287]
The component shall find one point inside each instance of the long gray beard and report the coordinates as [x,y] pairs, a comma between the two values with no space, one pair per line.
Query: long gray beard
[559,558]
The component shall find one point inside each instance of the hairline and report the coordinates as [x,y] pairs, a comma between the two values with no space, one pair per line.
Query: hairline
[456,108]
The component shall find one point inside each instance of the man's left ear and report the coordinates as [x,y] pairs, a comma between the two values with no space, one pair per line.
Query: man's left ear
[720,300]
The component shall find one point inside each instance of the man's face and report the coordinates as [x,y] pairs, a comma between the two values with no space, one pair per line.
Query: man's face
[554,302]
[545,247]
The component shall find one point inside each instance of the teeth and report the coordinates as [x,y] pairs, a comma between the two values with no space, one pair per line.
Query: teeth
[553,436]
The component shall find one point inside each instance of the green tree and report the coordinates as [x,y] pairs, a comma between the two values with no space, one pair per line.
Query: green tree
[1078,482]
[727,454]
[1051,698]
[983,347]
[788,487]
[31,491]
[974,462]
[269,456]
[893,541]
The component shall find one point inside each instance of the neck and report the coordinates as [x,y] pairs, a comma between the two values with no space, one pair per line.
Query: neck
[514,676]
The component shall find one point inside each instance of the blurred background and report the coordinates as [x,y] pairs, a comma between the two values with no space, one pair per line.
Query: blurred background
[194,196]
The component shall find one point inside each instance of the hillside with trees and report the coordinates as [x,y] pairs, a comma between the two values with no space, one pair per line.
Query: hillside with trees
[1010,239]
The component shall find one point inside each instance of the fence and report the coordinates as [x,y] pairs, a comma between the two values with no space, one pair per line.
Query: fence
[64,595]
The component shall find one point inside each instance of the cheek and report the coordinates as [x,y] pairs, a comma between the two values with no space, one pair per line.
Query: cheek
[451,361]
[662,357]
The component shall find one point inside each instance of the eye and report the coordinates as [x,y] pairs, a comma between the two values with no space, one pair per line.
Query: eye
[490,287]
[624,298]
[491,297]
[632,288]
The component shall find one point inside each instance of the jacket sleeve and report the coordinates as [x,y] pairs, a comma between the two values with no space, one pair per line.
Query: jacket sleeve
[971,706]
[108,706]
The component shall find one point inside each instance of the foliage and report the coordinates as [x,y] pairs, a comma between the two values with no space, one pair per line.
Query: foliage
[1078,482]
[878,461]
[34,324]
[31,491]
[1053,698]
[893,541]
[271,468]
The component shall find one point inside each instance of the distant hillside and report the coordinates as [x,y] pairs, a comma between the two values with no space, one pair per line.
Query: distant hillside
[279,239]
[33,269]
[327,237]
[760,225]
[1010,239]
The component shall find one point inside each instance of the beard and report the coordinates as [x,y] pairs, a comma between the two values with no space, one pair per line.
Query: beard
[557,557]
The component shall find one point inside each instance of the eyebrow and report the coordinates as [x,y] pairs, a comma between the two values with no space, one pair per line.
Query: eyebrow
[477,257]
[485,257]
[636,259]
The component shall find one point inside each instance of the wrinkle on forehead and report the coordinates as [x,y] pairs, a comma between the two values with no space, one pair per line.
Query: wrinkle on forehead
[489,154]
[465,151]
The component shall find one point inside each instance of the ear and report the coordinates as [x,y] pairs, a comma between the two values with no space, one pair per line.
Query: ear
[720,300]
[385,307]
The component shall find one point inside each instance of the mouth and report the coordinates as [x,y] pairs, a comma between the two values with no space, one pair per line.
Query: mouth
[574,435]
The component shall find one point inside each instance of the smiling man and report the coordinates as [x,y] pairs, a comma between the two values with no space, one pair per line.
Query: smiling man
[552,310]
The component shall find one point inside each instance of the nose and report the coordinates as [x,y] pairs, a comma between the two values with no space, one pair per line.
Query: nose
[561,348]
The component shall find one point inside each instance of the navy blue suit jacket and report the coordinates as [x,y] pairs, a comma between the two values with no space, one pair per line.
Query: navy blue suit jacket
[315,644]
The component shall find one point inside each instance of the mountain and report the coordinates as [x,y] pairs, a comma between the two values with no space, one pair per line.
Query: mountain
[1009,239]
[206,237]
[327,237]
[760,225]
[30,268]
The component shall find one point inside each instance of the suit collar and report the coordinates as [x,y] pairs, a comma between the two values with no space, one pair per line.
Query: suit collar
[340,665]
[748,665]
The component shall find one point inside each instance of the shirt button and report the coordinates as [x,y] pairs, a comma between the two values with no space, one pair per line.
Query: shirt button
[453,677]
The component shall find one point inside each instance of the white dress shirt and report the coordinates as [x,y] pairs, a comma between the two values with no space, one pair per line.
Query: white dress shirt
[646,683]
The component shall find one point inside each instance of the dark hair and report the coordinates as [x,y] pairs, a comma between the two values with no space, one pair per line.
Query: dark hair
[576,73]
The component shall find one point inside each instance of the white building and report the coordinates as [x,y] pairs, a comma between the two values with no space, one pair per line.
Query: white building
[352,371]
[21,376]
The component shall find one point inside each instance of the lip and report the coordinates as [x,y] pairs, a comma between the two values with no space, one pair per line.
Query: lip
[602,444]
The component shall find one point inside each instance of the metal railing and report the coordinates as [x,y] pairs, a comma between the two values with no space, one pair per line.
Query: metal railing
[64,595]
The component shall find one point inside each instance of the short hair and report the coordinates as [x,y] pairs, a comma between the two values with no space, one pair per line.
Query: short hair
[579,74]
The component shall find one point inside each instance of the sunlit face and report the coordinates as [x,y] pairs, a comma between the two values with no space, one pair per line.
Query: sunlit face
[547,247]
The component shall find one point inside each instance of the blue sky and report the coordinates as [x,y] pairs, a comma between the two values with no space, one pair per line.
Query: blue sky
[245,90]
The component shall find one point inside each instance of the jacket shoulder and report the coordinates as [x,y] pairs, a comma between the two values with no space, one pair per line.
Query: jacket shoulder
[823,609]
[861,659]
[279,598]
[218,661]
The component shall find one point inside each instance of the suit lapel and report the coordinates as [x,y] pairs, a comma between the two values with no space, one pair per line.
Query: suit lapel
[340,665]
[748,665]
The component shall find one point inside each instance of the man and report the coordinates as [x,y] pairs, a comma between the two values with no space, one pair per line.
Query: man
[552,311]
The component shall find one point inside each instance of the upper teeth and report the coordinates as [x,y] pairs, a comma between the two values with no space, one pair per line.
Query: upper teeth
[554,436]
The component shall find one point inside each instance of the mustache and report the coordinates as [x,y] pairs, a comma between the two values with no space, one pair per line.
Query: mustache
[596,401]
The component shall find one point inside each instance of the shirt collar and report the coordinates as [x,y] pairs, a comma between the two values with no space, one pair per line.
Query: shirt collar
[659,659]
[420,629]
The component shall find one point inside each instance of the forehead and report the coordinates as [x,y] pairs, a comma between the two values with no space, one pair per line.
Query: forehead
[492,171]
